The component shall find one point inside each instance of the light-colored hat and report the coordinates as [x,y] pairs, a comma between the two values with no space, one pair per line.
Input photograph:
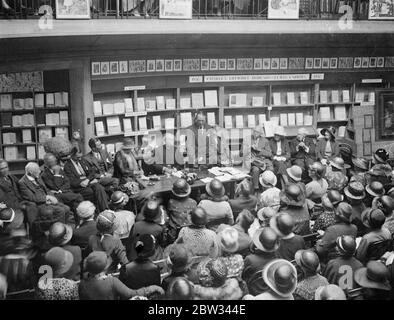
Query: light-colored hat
[228,239]
[280,131]
[85,209]
[268,179]
[295,172]
[281,277]
[330,292]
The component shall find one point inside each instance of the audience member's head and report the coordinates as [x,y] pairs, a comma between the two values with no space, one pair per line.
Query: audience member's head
[32,170]
[86,210]
[199,217]
[308,261]
[106,222]
[346,246]
[4,170]
[180,289]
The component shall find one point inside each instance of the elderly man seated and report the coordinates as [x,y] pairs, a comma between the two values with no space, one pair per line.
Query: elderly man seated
[33,189]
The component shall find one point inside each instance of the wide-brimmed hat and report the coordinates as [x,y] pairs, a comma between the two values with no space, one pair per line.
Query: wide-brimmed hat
[339,163]
[85,209]
[145,245]
[244,188]
[334,196]
[375,189]
[215,188]
[283,224]
[60,234]
[268,179]
[281,277]
[381,155]
[374,276]
[344,211]
[346,245]
[336,180]
[386,204]
[118,198]
[361,163]
[106,221]
[179,258]
[373,218]
[280,131]
[292,196]
[295,172]
[11,219]
[181,188]
[330,130]
[330,292]
[228,239]
[266,213]
[96,262]
[128,144]
[266,239]
[355,190]
[307,260]
[59,259]
[212,272]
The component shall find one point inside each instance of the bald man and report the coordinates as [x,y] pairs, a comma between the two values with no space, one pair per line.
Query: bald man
[302,149]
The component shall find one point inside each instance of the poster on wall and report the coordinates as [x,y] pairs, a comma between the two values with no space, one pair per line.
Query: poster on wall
[381,9]
[72,9]
[176,9]
[24,81]
[283,9]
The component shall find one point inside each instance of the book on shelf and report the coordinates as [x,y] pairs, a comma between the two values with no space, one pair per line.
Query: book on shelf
[275,119]
[211,98]
[108,109]
[345,95]
[257,102]
[283,119]
[41,152]
[16,121]
[127,127]
[262,119]
[58,99]
[110,148]
[40,118]
[290,98]
[323,96]
[291,119]
[6,119]
[325,113]
[26,136]
[276,98]
[197,100]
[140,104]
[360,97]
[18,104]
[251,121]
[44,134]
[52,119]
[169,123]
[150,105]
[63,115]
[299,119]
[308,120]
[10,153]
[341,131]
[30,152]
[186,119]
[100,131]
[142,126]
[156,122]
[334,96]
[62,132]
[269,128]
[211,118]
[97,109]
[228,122]
[170,104]
[119,108]
[6,102]
[340,113]
[39,100]
[239,121]
[113,125]
[160,103]
[128,105]
[9,138]
[29,103]
[304,97]
[237,100]
[50,99]
[28,120]
[65,99]
[371,97]
[185,103]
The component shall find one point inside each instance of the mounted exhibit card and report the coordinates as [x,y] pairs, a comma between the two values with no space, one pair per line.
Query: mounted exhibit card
[266,63]
[170,104]
[142,124]
[296,63]
[283,119]
[150,105]
[136,66]
[228,122]
[389,62]
[323,96]
[277,99]
[97,109]
[340,113]
[159,65]
[283,63]
[299,119]
[108,109]
[151,66]
[72,9]
[204,64]
[168,65]
[275,63]
[380,62]
[381,10]
[345,96]
[38,100]
[357,62]
[325,63]
[333,63]
[258,64]
[213,64]
[239,121]
[372,62]
[123,67]
[291,119]
[119,108]
[230,64]
[31,153]
[104,67]
[127,127]
[114,67]
[99,128]
[186,119]
[290,98]
[95,68]
[129,105]
[190,65]
[175,9]
[325,113]
[251,120]
[334,96]
[244,64]
[177,65]
[197,100]
[222,64]
[283,9]
[237,100]
[365,62]
[160,103]
[317,63]
[140,104]
[262,119]
[169,123]
[185,103]
[156,122]
[50,100]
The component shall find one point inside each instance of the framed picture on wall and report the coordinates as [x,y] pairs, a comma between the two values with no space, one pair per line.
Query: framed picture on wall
[204,64]
[380,62]
[96,69]
[381,10]
[168,65]
[317,63]
[384,114]
[325,64]
[333,63]
[357,62]
[213,64]
[372,62]
[283,9]
[175,9]
[123,67]
[222,64]
[114,67]
[178,65]
[275,63]
[230,64]
[159,65]
[104,66]
[309,63]
[283,63]
[151,66]
[258,64]
[266,63]
[365,62]
[72,9]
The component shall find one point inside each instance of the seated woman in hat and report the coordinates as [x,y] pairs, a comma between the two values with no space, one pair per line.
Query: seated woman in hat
[179,208]
[218,212]
[294,175]
[280,277]
[302,149]
[373,190]
[327,148]
[262,220]
[318,186]
[100,286]
[325,218]
[355,195]
[270,194]
[87,225]
[386,204]
[360,168]
[243,199]
[280,151]
[124,218]
[337,164]
[308,262]
[373,220]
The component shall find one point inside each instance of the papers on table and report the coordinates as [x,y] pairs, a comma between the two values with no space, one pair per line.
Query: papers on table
[206,180]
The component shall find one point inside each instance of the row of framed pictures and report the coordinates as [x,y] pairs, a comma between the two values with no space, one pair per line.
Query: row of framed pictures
[176,65]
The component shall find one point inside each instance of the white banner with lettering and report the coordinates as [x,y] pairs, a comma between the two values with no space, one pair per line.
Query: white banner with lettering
[257,77]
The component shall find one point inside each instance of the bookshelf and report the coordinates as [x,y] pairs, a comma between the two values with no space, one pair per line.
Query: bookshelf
[27,120]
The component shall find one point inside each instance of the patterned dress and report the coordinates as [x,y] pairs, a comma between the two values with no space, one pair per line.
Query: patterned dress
[57,289]
[234,264]
[306,288]
[199,241]
[324,220]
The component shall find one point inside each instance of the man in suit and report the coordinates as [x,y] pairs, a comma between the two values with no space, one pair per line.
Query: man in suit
[280,151]
[302,150]
[55,179]
[83,181]
[101,164]
[10,195]
[33,189]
